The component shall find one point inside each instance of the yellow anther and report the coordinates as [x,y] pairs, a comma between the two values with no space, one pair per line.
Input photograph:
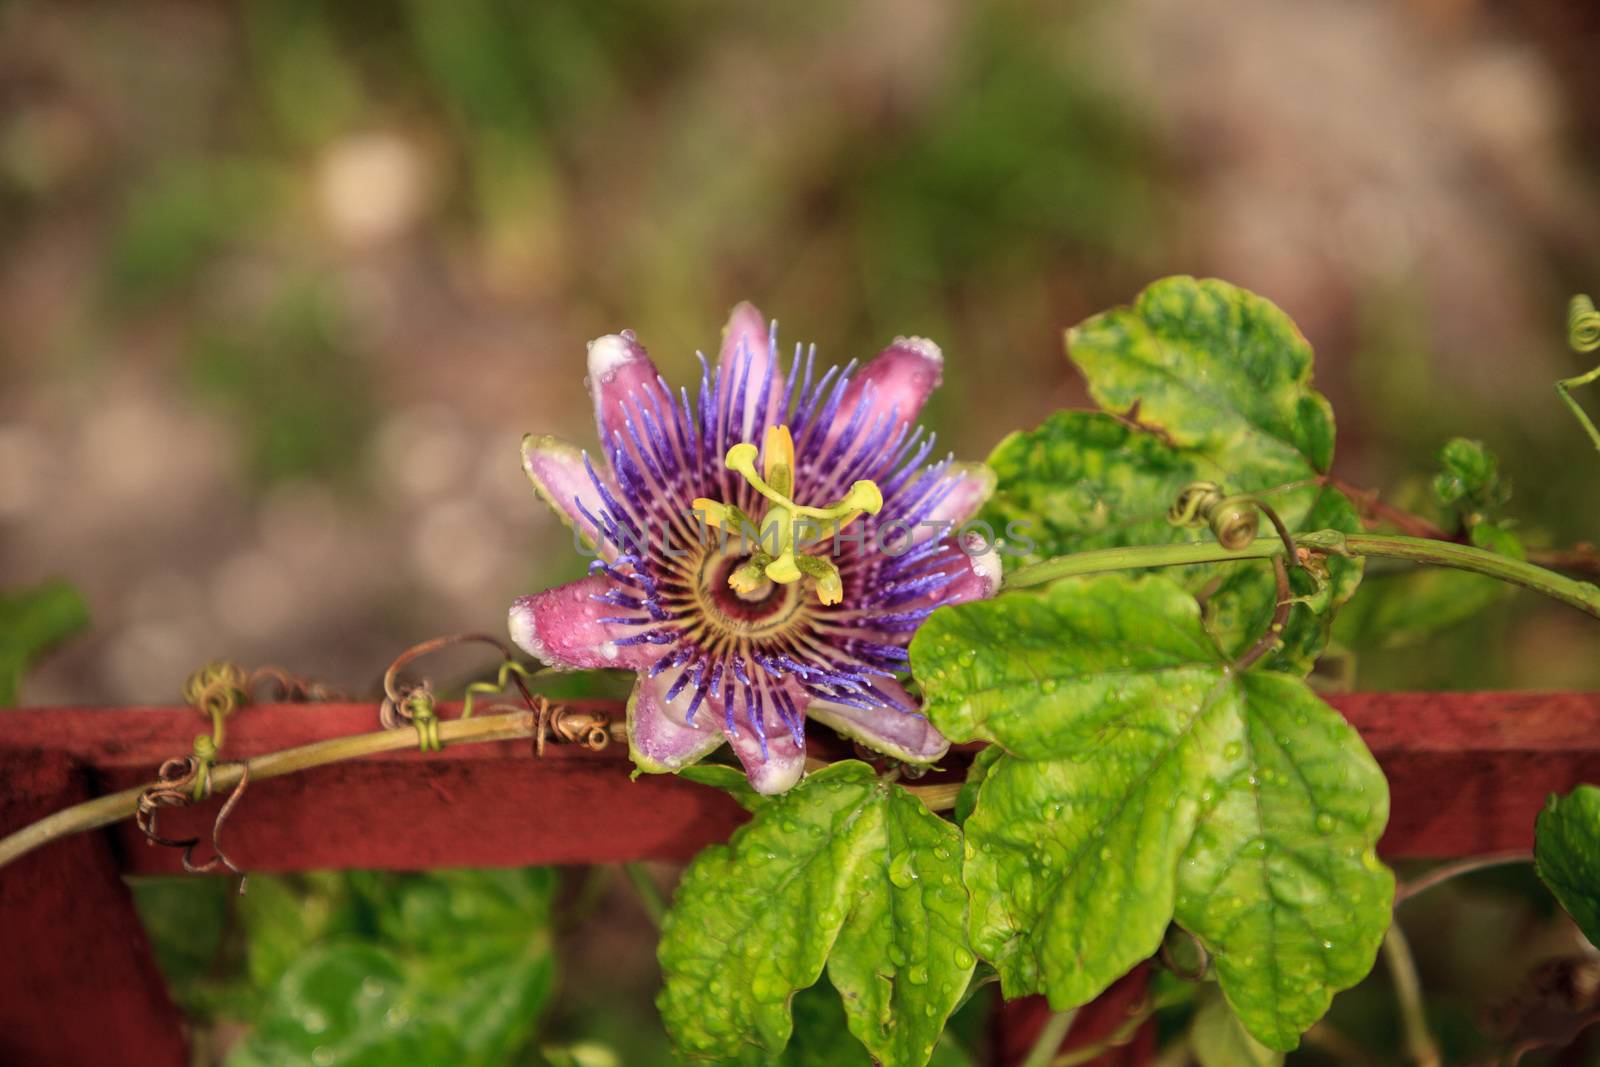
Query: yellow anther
[863,496]
[777,459]
[716,515]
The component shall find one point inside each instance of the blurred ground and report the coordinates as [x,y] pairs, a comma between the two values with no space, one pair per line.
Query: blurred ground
[282,284]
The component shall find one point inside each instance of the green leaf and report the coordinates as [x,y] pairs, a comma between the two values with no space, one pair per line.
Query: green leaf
[1217,1039]
[186,919]
[31,622]
[1083,481]
[344,1006]
[901,961]
[1144,781]
[1216,369]
[478,944]
[1202,381]
[458,966]
[1566,853]
[844,870]
[730,780]
[284,916]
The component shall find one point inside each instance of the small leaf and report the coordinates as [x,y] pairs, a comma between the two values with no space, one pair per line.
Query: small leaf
[846,870]
[1469,480]
[1566,853]
[1216,369]
[1144,781]
[730,780]
[1218,1040]
[31,622]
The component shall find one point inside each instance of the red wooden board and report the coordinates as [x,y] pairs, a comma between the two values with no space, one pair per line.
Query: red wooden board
[1468,772]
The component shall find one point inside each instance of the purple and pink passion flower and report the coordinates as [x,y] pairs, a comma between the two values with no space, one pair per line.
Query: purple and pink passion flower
[764,550]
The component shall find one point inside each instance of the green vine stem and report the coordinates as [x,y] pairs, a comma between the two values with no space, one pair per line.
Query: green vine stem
[1585,596]
[1447,871]
[650,898]
[114,807]
[1421,1049]
[1043,1052]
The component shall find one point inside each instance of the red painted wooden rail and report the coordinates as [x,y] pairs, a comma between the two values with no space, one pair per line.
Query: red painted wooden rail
[1468,773]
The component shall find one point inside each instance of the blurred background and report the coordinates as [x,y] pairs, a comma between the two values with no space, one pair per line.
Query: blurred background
[282,284]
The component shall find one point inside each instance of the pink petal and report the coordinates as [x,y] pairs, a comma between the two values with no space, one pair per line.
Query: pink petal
[901,378]
[747,342]
[785,760]
[621,376]
[979,569]
[558,475]
[658,738]
[904,735]
[562,627]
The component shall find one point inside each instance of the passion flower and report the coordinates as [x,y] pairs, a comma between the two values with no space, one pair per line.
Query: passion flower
[765,550]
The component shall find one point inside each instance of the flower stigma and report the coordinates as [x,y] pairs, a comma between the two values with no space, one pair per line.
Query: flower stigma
[786,526]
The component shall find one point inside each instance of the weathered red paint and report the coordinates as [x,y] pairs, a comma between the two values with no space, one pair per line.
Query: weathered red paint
[78,983]
[1468,772]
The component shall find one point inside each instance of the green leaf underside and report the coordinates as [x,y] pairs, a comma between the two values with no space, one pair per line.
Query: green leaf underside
[1566,853]
[846,871]
[1143,781]
[1217,1039]
[1217,379]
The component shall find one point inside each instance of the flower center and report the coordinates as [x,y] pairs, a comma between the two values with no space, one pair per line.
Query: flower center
[760,610]
[785,523]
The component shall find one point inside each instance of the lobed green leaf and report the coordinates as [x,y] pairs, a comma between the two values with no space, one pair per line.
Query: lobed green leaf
[1144,781]
[1214,368]
[844,871]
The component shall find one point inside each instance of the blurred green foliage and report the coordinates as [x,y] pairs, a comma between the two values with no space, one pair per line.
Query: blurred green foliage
[290,382]
[364,967]
[32,621]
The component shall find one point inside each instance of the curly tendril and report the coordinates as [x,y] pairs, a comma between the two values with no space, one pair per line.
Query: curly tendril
[1583,324]
[1583,334]
[1234,520]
